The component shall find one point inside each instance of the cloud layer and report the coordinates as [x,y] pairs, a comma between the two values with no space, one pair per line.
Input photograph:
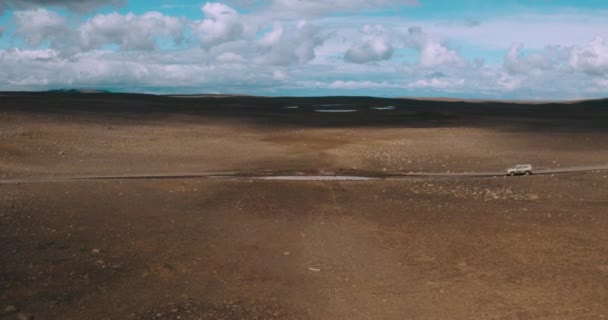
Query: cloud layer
[271,52]
[81,6]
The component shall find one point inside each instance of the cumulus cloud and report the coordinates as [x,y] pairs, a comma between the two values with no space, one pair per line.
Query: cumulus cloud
[591,59]
[265,51]
[309,8]
[221,24]
[379,44]
[516,62]
[37,25]
[508,82]
[189,71]
[273,37]
[230,57]
[279,75]
[375,46]
[433,52]
[292,45]
[47,68]
[354,85]
[436,83]
[130,32]
[466,23]
[81,6]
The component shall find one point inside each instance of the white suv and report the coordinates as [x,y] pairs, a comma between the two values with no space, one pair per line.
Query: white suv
[520,169]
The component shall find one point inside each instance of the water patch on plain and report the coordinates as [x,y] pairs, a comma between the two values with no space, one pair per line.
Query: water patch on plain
[317,178]
[387,108]
[291,107]
[336,110]
[331,105]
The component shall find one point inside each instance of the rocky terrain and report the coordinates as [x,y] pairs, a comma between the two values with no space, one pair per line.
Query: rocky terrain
[417,248]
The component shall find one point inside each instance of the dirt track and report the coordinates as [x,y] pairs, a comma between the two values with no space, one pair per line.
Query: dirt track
[268,175]
[416,248]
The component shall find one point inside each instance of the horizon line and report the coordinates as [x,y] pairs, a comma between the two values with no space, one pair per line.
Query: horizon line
[229,95]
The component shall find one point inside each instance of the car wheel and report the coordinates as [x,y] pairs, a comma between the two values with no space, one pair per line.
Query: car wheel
[528,173]
[512,174]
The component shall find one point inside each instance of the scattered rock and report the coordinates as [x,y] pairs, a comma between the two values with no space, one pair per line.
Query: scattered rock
[96,251]
[10,309]
[286,253]
[191,310]
[63,297]
[25,316]
[314,269]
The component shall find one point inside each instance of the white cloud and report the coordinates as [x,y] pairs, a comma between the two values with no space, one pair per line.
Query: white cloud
[195,70]
[47,69]
[433,52]
[380,43]
[437,83]
[279,75]
[273,37]
[295,45]
[534,31]
[230,57]
[375,46]
[74,5]
[296,9]
[591,59]
[508,82]
[37,25]
[228,50]
[221,24]
[353,85]
[603,83]
[130,32]
[516,62]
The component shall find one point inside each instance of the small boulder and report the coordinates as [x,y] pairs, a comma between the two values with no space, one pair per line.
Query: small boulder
[10,309]
[25,316]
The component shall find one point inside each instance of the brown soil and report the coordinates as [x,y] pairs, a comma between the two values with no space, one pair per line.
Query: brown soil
[472,248]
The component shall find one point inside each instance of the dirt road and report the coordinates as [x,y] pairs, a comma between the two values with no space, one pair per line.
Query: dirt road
[349,175]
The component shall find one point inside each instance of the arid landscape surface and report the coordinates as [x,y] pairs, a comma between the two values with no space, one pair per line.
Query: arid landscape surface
[434,248]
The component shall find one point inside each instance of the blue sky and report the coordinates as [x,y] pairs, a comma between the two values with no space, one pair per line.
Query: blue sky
[512,49]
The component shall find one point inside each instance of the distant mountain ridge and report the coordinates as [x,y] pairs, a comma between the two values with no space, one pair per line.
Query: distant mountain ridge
[79,91]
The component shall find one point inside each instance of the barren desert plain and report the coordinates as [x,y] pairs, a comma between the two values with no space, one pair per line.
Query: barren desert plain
[167,212]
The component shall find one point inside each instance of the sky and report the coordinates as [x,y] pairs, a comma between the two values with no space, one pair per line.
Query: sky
[508,49]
